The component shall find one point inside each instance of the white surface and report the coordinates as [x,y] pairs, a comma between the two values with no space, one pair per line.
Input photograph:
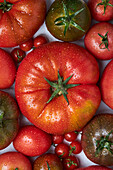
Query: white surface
[84,162]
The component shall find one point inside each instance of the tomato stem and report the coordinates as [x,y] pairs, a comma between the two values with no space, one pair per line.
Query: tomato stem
[70,163]
[5,6]
[48,166]
[104,41]
[105,3]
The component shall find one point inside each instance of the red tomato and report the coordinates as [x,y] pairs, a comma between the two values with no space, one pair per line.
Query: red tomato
[71,136]
[32,141]
[27,45]
[39,40]
[94,167]
[18,54]
[100,38]
[75,147]
[106,85]
[71,162]
[101,10]
[57,139]
[7,70]
[62,150]
[19,20]
[67,112]
[14,160]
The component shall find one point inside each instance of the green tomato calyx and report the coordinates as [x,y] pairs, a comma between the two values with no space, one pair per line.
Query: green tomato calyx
[104,143]
[60,87]
[105,3]
[104,41]
[67,19]
[5,6]
[2,112]
[48,166]
[70,162]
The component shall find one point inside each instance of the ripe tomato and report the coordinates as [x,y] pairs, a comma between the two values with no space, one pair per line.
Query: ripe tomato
[32,141]
[14,160]
[18,54]
[62,150]
[39,40]
[47,161]
[9,114]
[71,136]
[57,139]
[7,70]
[100,38]
[66,112]
[68,20]
[106,85]
[19,20]
[94,167]
[97,139]
[101,10]
[71,162]
[75,147]
[27,45]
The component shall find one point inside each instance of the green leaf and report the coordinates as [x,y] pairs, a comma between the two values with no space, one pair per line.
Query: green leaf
[48,166]
[66,28]
[76,26]
[76,13]
[65,10]
[51,83]
[53,95]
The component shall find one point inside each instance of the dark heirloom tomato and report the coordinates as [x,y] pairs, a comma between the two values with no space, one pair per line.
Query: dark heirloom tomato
[97,139]
[9,113]
[66,65]
[47,161]
[94,167]
[106,85]
[68,20]
[19,20]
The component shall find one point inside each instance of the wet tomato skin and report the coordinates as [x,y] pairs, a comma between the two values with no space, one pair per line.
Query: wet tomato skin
[39,40]
[27,45]
[18,55]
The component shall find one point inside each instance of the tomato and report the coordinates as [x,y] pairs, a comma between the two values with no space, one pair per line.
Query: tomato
[62,150]
[19,20]
[100,38]
[68,20]
[39,40]
[97,139]
[106,85]
[18,54]
[94,167]
[9,113]
[101,10]
[65,112]
[57,139]
[32,141]
[27,45]
[7,70]
[75,147]
[47,161]
[71,136]
[14,160]
[71,162]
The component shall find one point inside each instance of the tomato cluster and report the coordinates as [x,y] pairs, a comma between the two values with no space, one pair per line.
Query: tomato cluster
[51,91]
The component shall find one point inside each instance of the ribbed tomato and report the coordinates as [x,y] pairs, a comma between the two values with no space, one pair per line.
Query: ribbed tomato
[66,72]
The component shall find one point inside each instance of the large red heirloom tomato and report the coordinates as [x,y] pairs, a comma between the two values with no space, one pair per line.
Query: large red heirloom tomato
[19,20]
[56,87]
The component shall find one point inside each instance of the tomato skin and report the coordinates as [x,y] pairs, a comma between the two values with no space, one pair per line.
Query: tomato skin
[98,12]
[21,22]
[62,150]
[95,40]
[94,167]
[65,57]
[97,129]
[7,70]
[39,40]
[76,147]
[32,141]
[70,159]
[13,160]
[106,85]
[52,160]
[9,114]
[18,54]
[57,139]
[27,45]
[71,136]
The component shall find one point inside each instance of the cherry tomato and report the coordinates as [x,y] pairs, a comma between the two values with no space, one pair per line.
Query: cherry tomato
[32,141]
[71,136]
[57,139]
[39,40]
[18,54]
[62,150]
[75,147]
[27,45]
[71,162]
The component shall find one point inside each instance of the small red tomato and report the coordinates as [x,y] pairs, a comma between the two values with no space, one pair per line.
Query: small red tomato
[18,54]
[71,136]
[27,45]
[75,147]
[57,139]
[71,162]
[39,40]
[32,141]
[14,160]
[62,150]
